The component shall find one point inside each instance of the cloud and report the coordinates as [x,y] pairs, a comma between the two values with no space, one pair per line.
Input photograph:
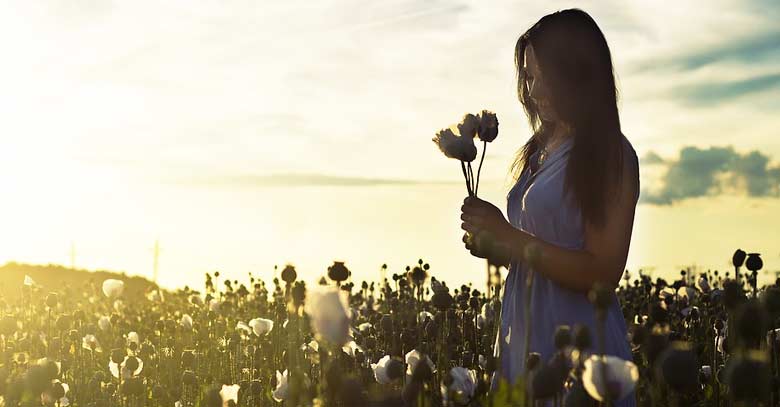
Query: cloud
[712,171]
[757,47]
[651,158]
[711,93]
[300,180]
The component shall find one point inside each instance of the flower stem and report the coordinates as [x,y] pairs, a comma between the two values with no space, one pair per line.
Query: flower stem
[465,175]
[479,169]
[471,179]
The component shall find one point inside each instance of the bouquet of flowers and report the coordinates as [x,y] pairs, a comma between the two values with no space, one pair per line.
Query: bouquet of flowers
[462,148]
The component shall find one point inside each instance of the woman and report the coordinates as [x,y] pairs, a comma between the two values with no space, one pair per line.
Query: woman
[575,194]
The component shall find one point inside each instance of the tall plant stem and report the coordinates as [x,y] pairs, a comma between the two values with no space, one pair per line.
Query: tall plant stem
[471,178]
[466,176]
[479,169]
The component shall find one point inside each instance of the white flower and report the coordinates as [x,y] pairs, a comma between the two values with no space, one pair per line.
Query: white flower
[186,322]
[126,372]
[28,281]
[329,311]
[133,337]
[621,376]
[242,326]
[119,305]
[350,348]
[45,361]
[113,288]
[261,326]
[706,370]
[104,323]
[229,393]
[424,316]
[412,358]
[704,285]
[47,397]
[380,370]
[155,296]
[280,393]
[487,311]
[64,401]
[365,326]
[461,390]
[686,292]
[90,342]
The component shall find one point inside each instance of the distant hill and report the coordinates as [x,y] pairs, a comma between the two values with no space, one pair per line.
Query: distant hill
[54,277]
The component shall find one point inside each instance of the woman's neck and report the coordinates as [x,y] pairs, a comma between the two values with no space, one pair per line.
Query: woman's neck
[559,134]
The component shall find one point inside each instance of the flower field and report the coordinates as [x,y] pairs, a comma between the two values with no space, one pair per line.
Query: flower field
[410,340]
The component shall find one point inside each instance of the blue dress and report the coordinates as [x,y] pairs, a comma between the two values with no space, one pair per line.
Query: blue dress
[536,205]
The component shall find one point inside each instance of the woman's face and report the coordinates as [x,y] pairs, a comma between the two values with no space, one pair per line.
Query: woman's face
[536,87]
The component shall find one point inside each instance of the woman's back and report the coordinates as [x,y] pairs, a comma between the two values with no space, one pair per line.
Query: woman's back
[536,204]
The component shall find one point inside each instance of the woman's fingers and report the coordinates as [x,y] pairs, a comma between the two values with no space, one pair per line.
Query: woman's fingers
[468,227]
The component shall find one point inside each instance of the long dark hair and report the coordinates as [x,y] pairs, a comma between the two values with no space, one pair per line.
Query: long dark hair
[573,55]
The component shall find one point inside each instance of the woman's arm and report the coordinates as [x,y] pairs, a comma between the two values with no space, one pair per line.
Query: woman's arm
[606,248]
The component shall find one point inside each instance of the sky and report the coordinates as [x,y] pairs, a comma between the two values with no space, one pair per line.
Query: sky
[249,134]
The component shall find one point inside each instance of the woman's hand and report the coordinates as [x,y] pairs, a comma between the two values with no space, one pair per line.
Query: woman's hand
[484,246]
[479,215]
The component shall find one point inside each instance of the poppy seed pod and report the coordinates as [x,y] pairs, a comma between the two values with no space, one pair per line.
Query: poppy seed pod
[770,299]
[749,376]
[582,338]
[52,300]
[678,366]
[417,275]
[118,355]
[395,369]
[754,262]
[533,361]
[547,380]
[338,272]
[132,363]
[751,323]
[562,337]
[738,258]
[289,274]
[442,300]
[64,322]
[733,295]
